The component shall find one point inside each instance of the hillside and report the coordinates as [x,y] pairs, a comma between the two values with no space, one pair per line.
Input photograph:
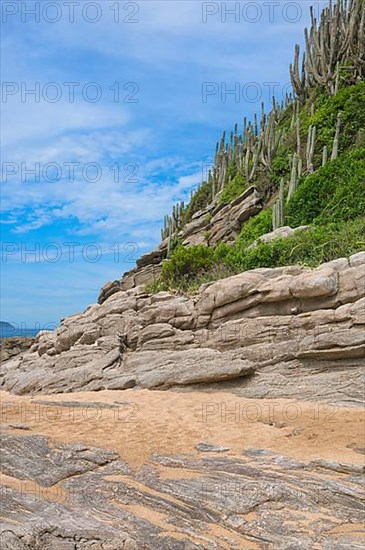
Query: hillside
[302,165]
[213,398]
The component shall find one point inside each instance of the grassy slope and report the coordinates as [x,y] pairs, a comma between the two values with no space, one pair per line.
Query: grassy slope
[331,201]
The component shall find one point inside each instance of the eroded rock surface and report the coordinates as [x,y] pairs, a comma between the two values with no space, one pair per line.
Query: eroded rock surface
[100,475]
[10,347]
[288,331]
[258,442]
[217,223]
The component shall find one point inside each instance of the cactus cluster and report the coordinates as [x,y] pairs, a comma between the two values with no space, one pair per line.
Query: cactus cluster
[173,223]
[297,165]
[245,152]
[334,49]
[335,46]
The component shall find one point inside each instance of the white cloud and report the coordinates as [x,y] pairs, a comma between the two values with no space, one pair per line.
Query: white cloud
[169,53]
[32,121]
[103,207]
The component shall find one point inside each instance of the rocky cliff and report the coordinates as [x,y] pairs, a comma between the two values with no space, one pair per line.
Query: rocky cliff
[283,332]
[254,434]
[216,223]
[10,347]
[257,444]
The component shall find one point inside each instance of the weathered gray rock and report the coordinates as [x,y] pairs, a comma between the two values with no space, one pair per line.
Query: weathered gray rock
[10,347]
[209,448]
[108,290]
[221,223]
[163,370]
[228,291]
[357,260]
[286,324]
[321,282]
[259,499]
[47,466]
[227,222]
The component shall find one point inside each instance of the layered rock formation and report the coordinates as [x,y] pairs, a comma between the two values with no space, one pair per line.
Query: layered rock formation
[281,332]
[10,347]
[217,223]
[259,442]
[130,471]
[221,223]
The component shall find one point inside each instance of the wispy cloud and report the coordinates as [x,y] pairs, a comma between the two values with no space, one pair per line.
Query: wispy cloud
[159,144]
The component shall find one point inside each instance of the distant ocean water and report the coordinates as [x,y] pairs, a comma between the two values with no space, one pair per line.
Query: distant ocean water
[25,333]
[9,332]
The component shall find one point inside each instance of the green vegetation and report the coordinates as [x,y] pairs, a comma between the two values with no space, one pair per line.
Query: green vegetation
[155,286]
[349,102]
[234,188]
[254,228]
[334,193]
[308,247]
[280,167]
[188,268]
[199,201]
[184,262]
[308,154]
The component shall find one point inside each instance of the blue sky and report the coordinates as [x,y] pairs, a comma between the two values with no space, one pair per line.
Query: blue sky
[117,130]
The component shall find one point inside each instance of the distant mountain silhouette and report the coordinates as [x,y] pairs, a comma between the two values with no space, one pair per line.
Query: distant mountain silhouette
[4,325]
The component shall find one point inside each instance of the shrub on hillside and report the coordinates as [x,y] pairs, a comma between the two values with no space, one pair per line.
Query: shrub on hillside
[334,193]
[254,228]
[186,263]
[350,102]
[190,267]
[233,189]
[308,247]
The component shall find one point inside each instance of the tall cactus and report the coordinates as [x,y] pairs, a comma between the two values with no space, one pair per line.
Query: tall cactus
[337,41]
[324,155]
[279,208]
[298,137]
[311,140]
[269,139]
[336,138]
[294,177]
[298,80]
